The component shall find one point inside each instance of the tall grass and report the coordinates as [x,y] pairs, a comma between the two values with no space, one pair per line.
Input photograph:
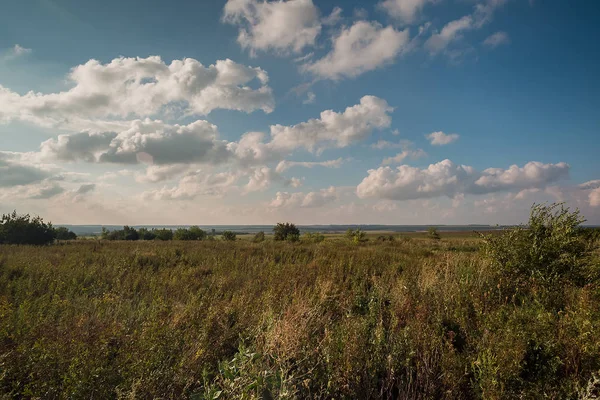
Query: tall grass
[215,319]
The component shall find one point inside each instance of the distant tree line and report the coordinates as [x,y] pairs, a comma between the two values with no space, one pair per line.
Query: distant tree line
[188,234]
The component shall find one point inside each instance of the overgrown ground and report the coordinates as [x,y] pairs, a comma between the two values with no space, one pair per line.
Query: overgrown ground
[412,318]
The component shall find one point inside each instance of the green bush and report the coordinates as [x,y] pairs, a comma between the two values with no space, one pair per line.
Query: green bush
[259,237]
[433,233]
[228,236]
[356,235]
[62,233]
[163,234]
[24,229]
[286,231]
[313,237]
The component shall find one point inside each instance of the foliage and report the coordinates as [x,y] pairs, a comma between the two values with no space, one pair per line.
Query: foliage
[24,229]
[386,238]
[228,235]
[286,231]
[433,233]
[192,233]
[412,319]
[356,235]
[163,234]
[315,237]
[259,237]
[146,234]
[62,233]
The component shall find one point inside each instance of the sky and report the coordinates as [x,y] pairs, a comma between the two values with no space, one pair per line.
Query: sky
[308,111]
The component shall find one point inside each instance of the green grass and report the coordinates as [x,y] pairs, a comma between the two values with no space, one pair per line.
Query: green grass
[413,318]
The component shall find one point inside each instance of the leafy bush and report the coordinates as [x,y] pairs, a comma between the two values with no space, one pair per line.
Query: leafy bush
[228,235]
[130,233]
[146,234]
[259,237]
[62,233]
[24,229]
[356,235]
[313,237]
[191,233]
[388,238]
[433,233]
[286,231]
[549,249]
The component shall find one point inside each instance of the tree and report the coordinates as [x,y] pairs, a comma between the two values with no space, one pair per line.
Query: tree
[286,231]
[432,232]
[62,233]
[130,233]
[182,234]
[163,234]
[316,237]
[228,236]
[24,229]
[356,235]
[146,234]
[196,233]
[259,237]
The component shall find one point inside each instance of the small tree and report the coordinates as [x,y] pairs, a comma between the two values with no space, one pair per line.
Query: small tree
[228,236]
[286,231]
[259,237]
[313,237]
[356,235]
[62,233]
[196,233]
[432,232]
[182,234]
[24,229]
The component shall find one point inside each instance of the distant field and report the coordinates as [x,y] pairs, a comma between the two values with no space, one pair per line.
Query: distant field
[411,318]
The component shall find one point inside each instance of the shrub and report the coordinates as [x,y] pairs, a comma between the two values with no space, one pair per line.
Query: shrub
[182,234]
[549,249]
[313,237]
[228,235]
[196,233]
[62,233]
[388,238]
[286,231]
[356,235]
[24,229]
[432,232]
[259,237]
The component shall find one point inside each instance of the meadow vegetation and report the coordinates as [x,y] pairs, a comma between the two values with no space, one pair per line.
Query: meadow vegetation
[510,315]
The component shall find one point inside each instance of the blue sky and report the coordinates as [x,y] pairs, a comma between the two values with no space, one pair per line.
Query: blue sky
[398,111]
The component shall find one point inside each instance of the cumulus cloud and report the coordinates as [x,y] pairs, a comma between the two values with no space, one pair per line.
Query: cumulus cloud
[453,30]
[285,165]
[594,192]
[333,128]
[594,198]
[152,142]
[142,87]
[198,183]
[448,179]
[440,138]
[497,39]
[15,172]
[595,184]
[281,26]
[404,10]
[305,200]
[407,153]
[363,47]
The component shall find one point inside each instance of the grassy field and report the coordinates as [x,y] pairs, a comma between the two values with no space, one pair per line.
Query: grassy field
[412,318]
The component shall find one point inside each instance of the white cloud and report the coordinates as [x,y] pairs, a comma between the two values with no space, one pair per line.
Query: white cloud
[285,165]
[310,98]
[594,198]
[363,47]
[448,179]
[160,173]
[198,183]
[305,200]
[404,10]
[594,192]
[148,141]
[16,171]
[497,39]
[407,153]
[440,138]
[453,30]
[333,128]
[595,184]
[142,87]
[15,52]
[281,26]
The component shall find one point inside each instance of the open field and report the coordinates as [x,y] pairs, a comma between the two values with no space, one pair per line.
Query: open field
[412,318]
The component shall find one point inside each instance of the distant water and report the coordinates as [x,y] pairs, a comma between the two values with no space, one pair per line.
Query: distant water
[97,229]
